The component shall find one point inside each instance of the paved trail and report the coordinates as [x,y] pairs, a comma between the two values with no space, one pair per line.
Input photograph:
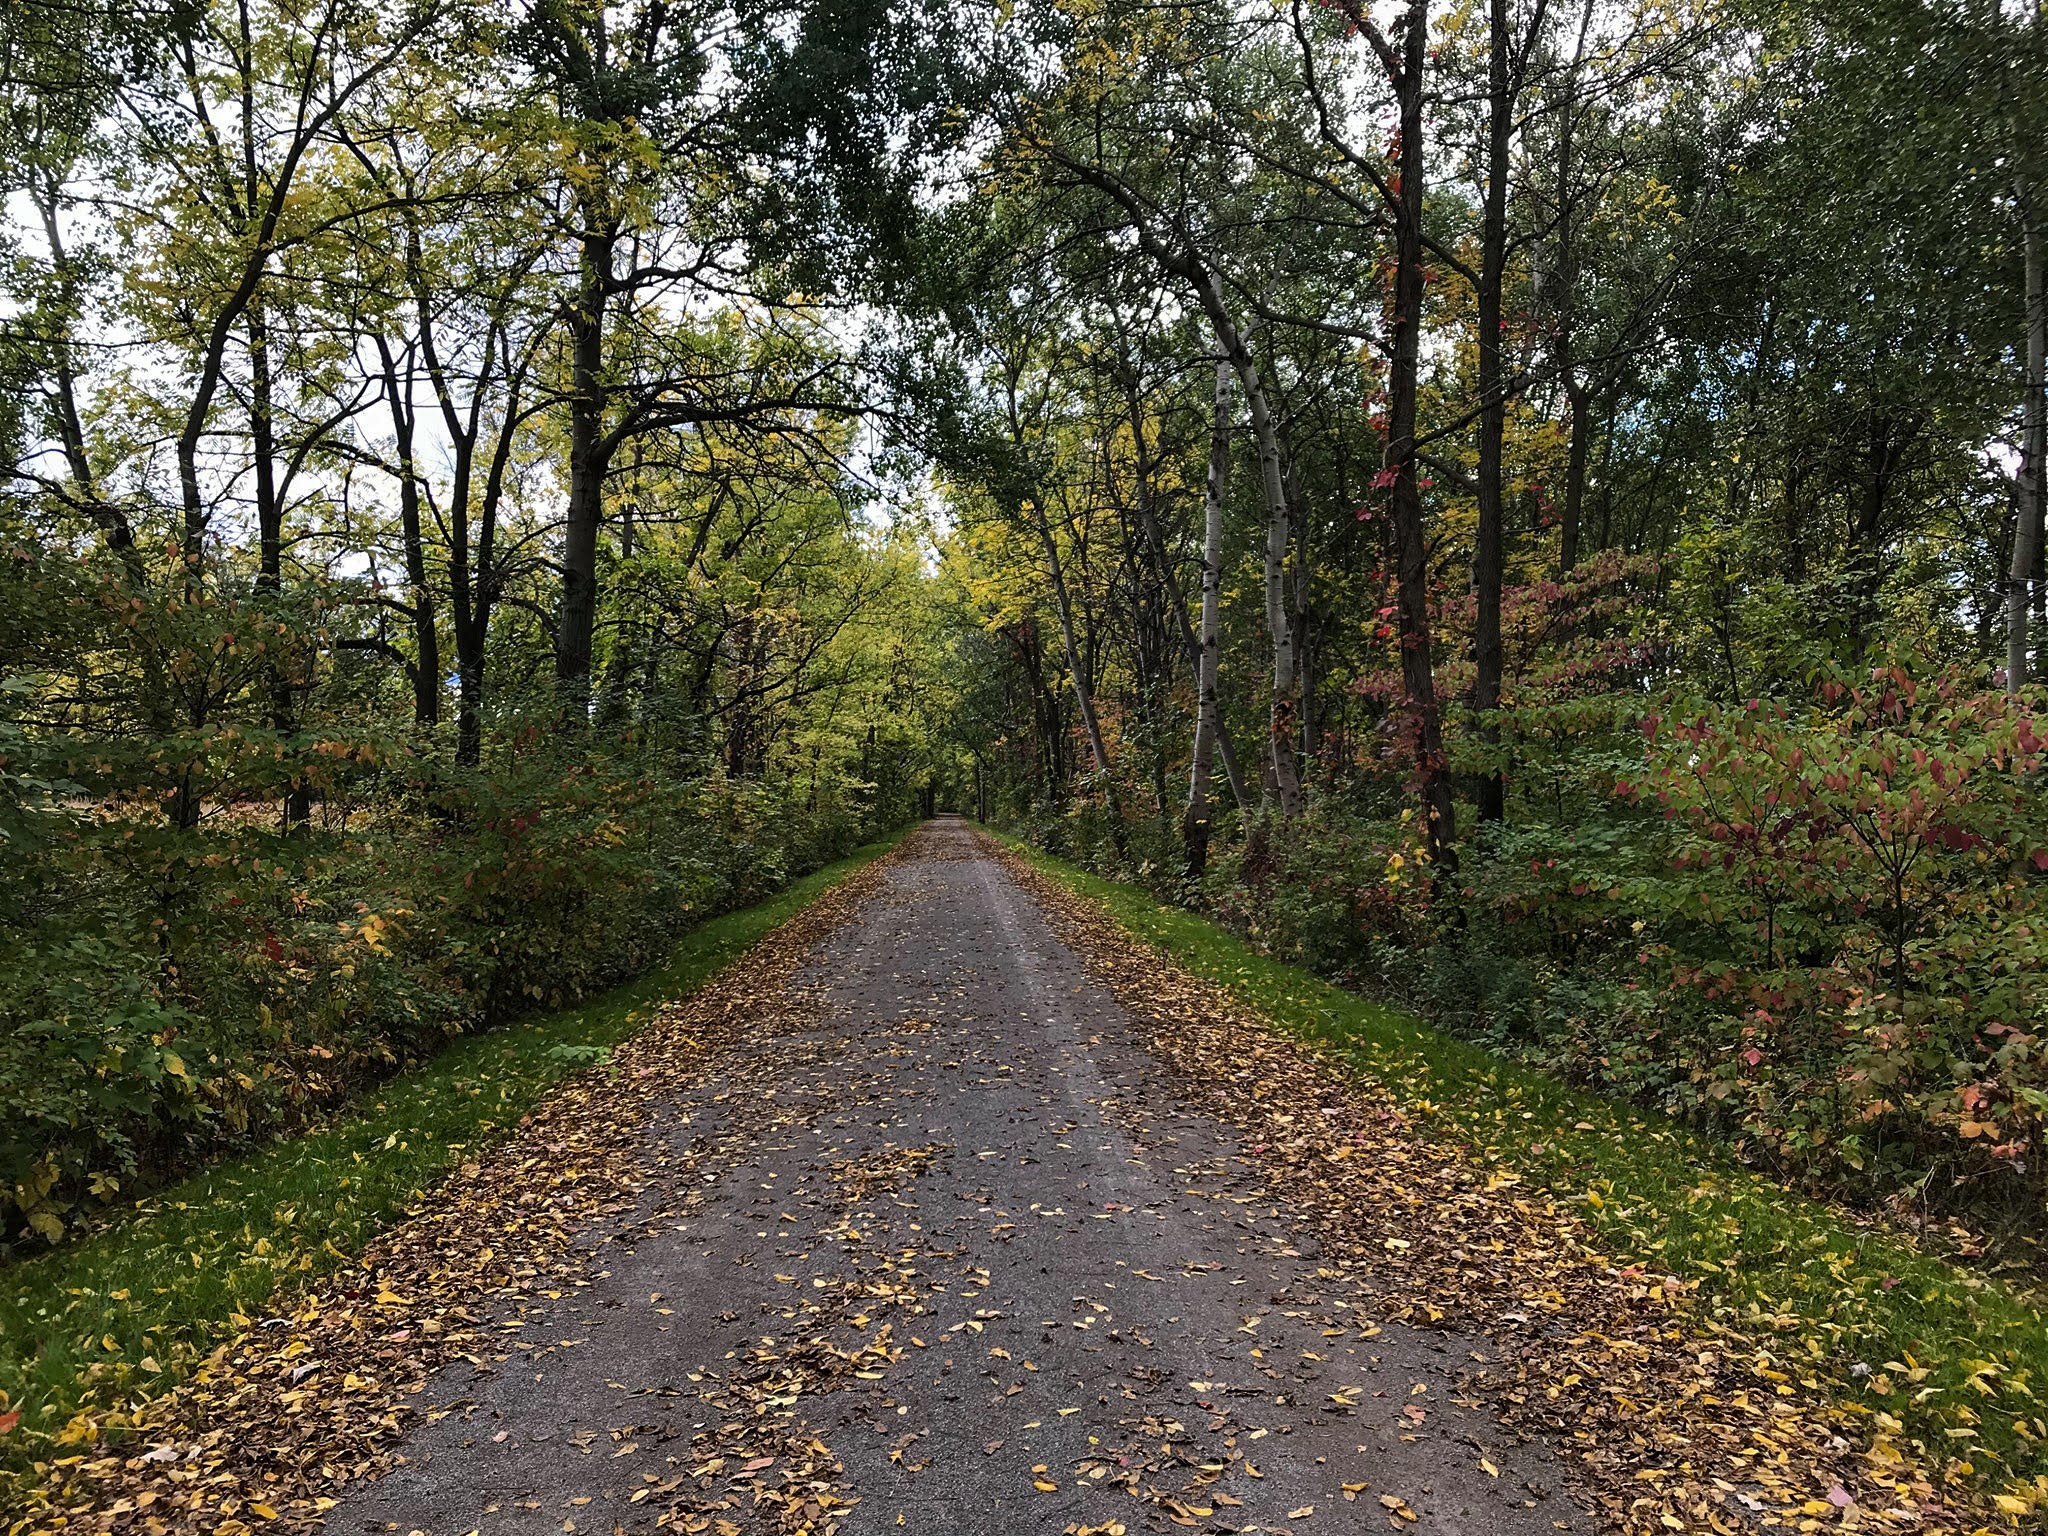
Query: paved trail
[961,1241]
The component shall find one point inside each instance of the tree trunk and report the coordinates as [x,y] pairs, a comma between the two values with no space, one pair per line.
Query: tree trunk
[1604,539]
[1195,826]
[1279,534]
[2033,473]
[426,637]
[1212,554]
[1302,616]
[612,709]
[1045,753]
[1576,457]
[263,446]
[107,514]
[1191,644]
[474,581]
[1084,696]
[426,672]
[1285,778]
[270,542]
[1418,673]
[1184,261]
[1488,554]
[469,697]
[587,455]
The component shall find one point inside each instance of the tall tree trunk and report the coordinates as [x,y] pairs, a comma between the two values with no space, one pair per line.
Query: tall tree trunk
[1279,625]
[2033,473]
[1488,554]
[263,445]
[1187,263]
[469,693]
[470,601]
[1181,258]
[1418,673]
[270,541]
[618,671]
[587,456]
[426,635]
[1302,616]
[1045,753]
[1576,456]
[1285,778]
[474,583]
[1225,749]
[1084,695]
[1195,826]
[106,513]
[2040,590]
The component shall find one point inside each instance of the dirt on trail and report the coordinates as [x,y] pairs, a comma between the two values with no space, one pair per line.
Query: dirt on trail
[948,1212]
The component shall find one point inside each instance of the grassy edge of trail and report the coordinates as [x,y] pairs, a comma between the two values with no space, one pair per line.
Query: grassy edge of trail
[1956,1362]
[125,1312]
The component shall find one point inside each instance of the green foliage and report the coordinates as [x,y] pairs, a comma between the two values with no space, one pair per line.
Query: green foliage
[297,778]
[1810,921]
[1849,888]
[177,995]
[92,1327]
[1921,1350]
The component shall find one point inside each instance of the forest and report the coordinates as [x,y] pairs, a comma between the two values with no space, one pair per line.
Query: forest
[1531,510]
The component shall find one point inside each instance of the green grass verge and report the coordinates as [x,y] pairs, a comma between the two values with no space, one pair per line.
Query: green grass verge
[1961,1360]
[128,1310]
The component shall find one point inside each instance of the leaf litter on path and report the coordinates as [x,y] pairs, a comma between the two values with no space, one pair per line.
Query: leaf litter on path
[299,1407]
[1667,1419]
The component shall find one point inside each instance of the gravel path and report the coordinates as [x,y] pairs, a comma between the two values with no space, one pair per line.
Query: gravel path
[958,1262]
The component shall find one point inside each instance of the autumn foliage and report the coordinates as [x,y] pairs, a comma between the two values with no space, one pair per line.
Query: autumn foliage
[1813,918]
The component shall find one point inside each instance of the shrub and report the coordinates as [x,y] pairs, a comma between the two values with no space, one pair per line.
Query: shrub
[1815,921]
[172,994]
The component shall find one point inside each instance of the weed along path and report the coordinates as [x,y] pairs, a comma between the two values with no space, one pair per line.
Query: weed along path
[951,1211]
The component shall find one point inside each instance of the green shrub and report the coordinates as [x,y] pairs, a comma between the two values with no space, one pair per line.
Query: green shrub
[1816,923]
[178,994]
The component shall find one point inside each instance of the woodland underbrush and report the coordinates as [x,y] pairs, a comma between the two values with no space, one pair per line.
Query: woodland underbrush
[170,995]
[95,1327]
[1813,925]
[1927,1361]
